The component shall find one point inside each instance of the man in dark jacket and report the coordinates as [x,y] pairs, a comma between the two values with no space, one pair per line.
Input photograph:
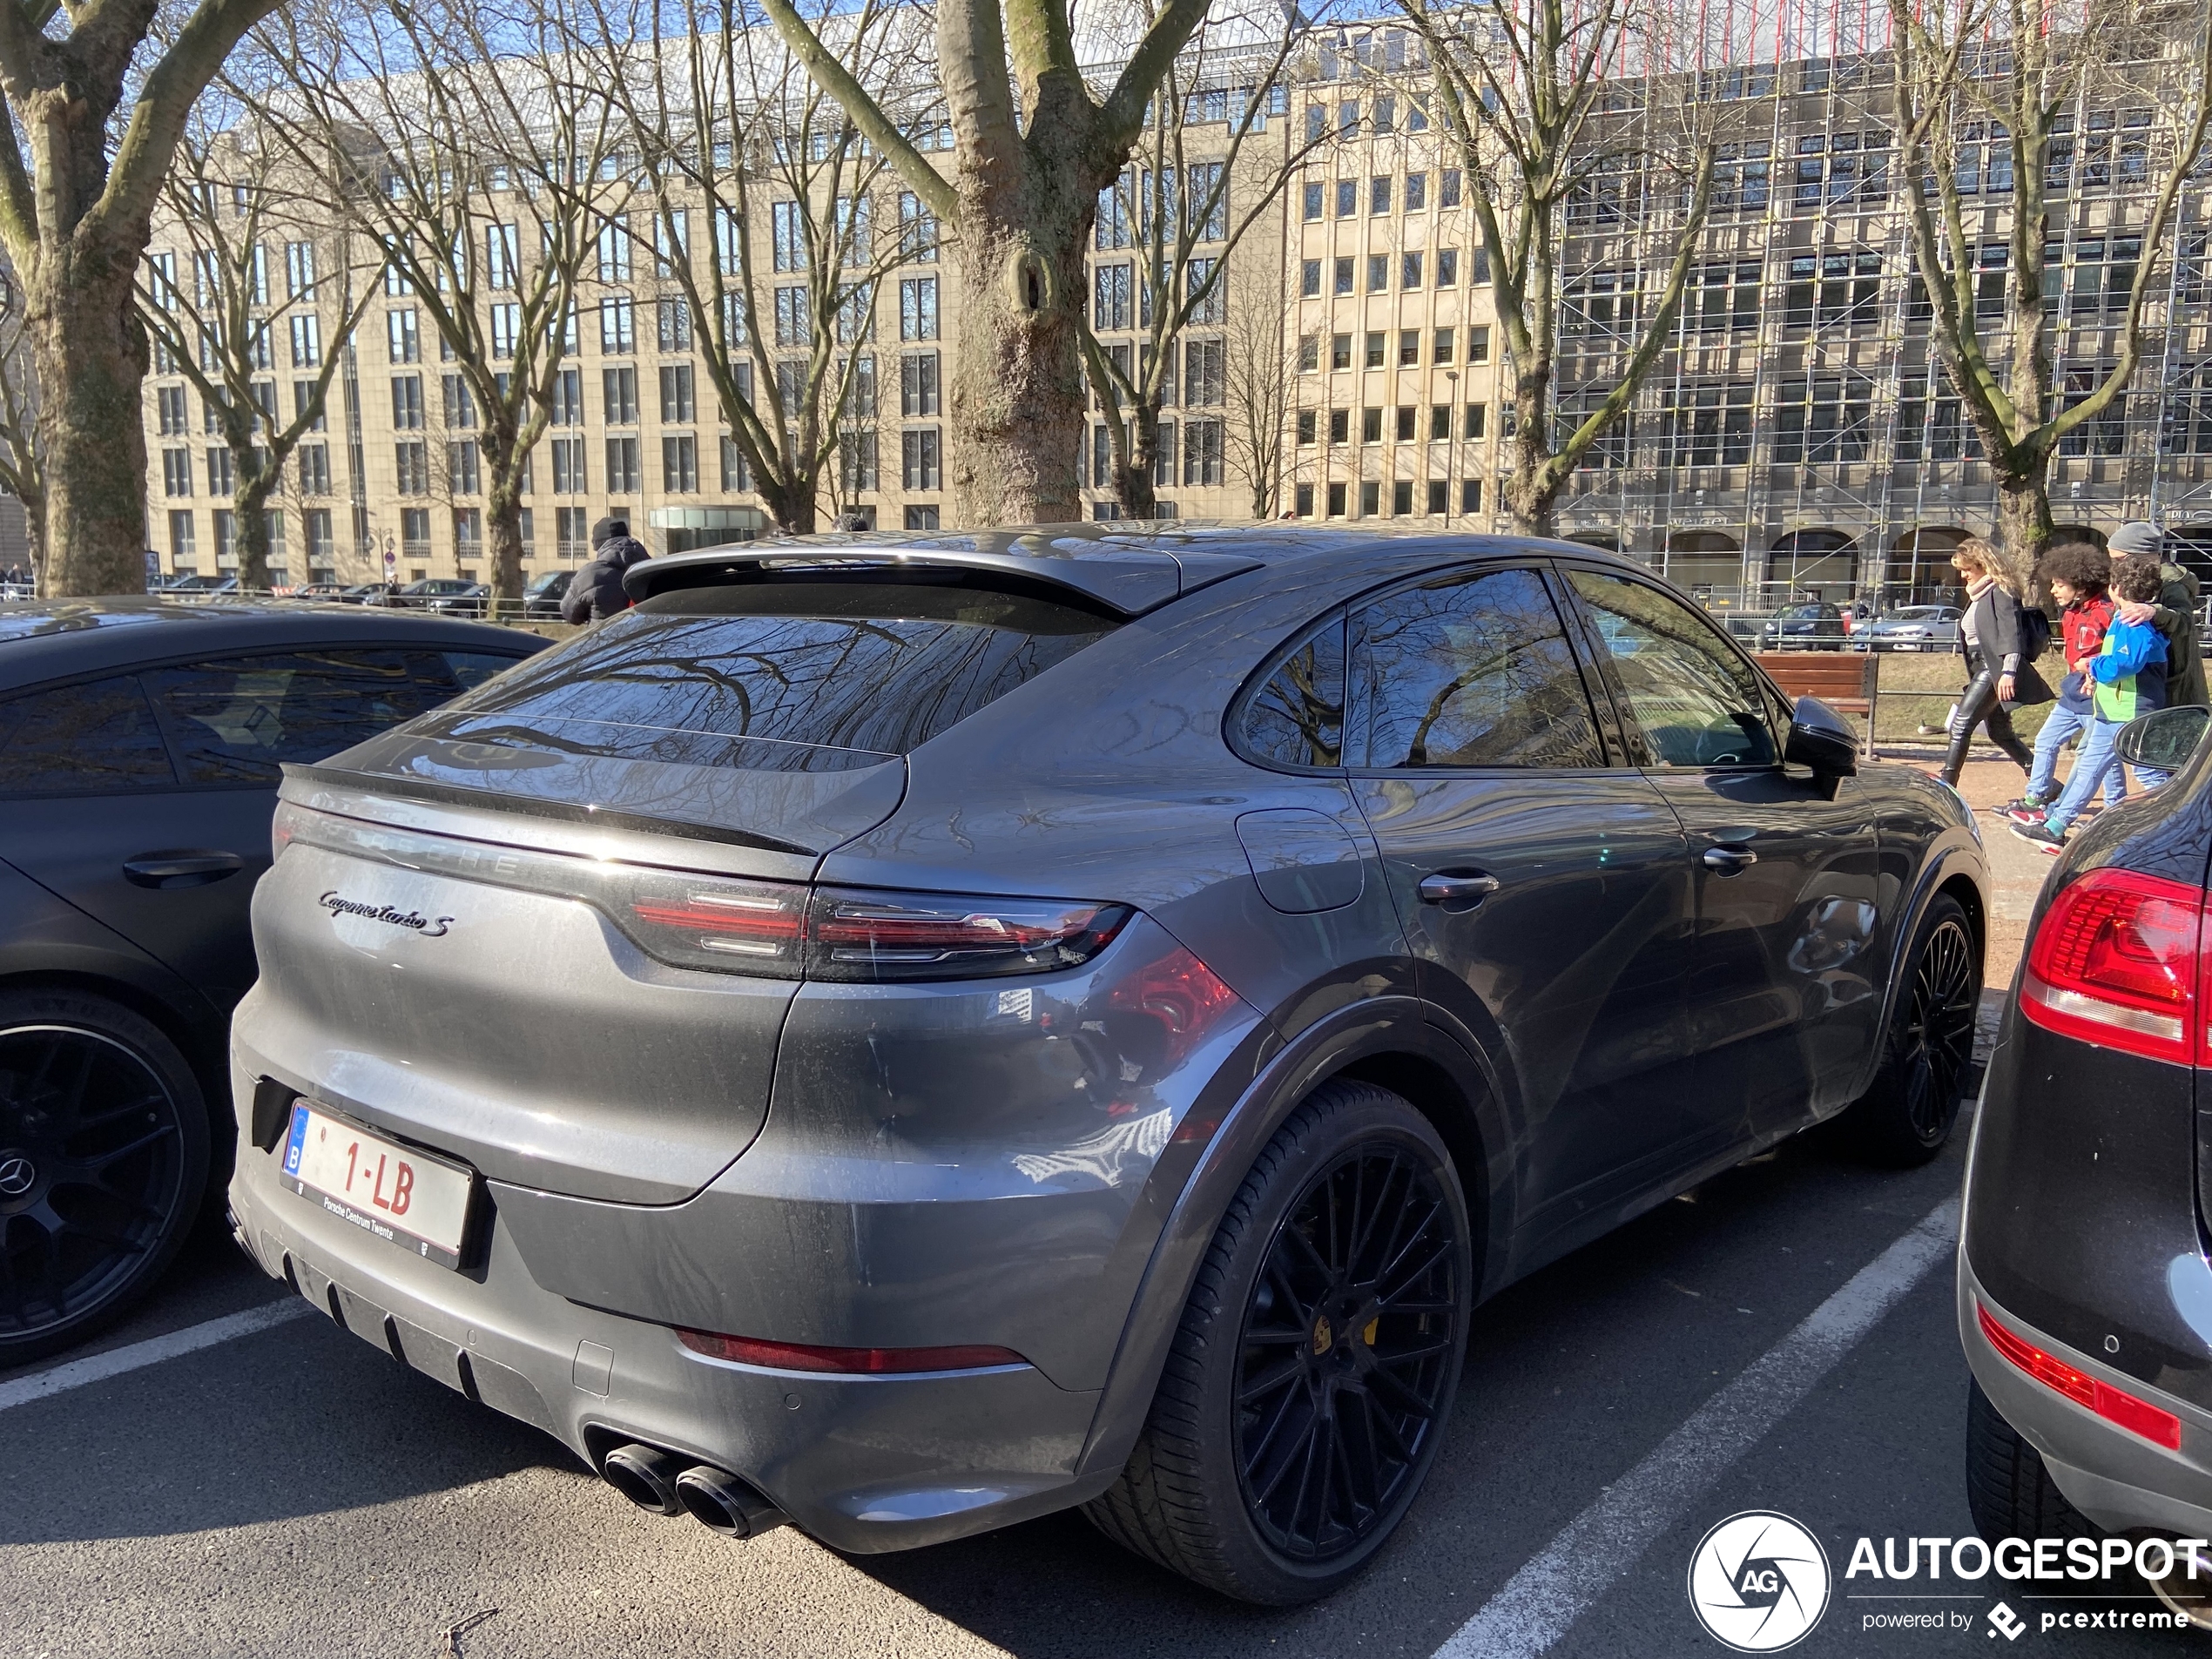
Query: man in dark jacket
[596,592]
[2175,615]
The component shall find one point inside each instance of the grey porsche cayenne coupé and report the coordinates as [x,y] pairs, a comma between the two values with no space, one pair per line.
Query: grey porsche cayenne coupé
[905,1036]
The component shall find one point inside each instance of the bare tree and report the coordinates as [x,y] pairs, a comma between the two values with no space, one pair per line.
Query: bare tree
[268,270]
[1260,385]
[77,199]
[2003,81]
[1566,117]
[738,141]
[1185,193]
[23,459]
[1032,146]
[493,168]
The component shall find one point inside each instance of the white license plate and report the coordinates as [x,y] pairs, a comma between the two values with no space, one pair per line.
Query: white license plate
[400,1195]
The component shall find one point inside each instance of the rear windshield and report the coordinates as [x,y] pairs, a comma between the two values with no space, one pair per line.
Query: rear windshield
[877,667]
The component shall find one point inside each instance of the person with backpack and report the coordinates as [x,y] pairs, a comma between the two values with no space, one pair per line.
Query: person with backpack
[2175,614]
[2001,639]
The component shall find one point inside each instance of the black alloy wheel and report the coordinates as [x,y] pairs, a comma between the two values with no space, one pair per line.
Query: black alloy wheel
[1907,1115]
[103,1160]
[1939,1034]
[1350,1341]
[1310,1380]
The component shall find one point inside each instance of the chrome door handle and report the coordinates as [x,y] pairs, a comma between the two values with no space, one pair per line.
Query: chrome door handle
[180,869]
[1457,889]
[1730,861]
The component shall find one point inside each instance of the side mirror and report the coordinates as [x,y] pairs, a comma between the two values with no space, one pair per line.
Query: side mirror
[2164,739]
[1822,739]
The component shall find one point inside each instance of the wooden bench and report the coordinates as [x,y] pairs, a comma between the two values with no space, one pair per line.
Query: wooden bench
[1844,680]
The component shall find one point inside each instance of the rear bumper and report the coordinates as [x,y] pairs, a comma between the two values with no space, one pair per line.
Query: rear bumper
[2119,1480]
[864,1464]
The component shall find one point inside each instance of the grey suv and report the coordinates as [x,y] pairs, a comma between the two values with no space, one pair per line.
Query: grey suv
[908,1035]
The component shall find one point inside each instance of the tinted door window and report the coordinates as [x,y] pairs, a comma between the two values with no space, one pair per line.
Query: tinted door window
[1471,670]
[1297,717]
[233,720]
[1697,702]
[82,740]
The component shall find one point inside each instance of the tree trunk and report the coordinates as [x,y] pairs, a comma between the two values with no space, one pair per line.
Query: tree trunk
[34,525]
[250,528]
[2023,523]
[792,506]
[1133,473]
[91,352]
[1532,493]
[503,526]
[1017,411]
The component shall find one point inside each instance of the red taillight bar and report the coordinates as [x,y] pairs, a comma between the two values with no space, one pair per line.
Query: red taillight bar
[799,1356]
[2113,1404]
[2116,961]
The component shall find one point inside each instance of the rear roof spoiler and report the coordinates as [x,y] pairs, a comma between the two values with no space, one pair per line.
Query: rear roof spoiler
[1126,580]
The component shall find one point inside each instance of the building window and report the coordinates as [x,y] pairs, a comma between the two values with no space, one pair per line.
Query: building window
[306,341]
[411,469]
[1371,426]
[1336,501]
[1447,267]
[856,460]
[1479,343]
[1724,298]
[918,392]
[1110,302]
[1933,428]
[621,466]
[1309,280]
[1204,373]
[1202,452]
[569,477]
[737,472]
[1307,424]
[679,463]
[1309,353]
[618,327]
[1742,175]
[322,546]
[464,472]
[1407,423]
[170,400]
[920,466]
[1440,345]
[315,468]
[1340,351]
[1471,496]
[1409,347]
[922,518]
[222,474]
[674,333]
[614,251]
[795,318]
[1377,346]
[618,393]
[918,231]
[183,554]
[415,532]
[918,308]
[568,398]
[459,405]
[787,235]
[401,336]
[1379,193]
[1477,420]
[1304,501]
[1409,270]
[1339,426]
[1706,425]
[1370,499]
[176,472]
[571,537]
[226,526]
[1314,192]
[1401,496]
[1823,418]
[676,399]
[1439,496]
[1343,276]
[1833,291]
[467,533]
[1378,273]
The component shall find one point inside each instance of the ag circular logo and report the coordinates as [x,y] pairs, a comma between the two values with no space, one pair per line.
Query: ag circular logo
[1758,1582]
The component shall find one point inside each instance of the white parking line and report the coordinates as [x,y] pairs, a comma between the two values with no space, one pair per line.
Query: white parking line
[1599,1546]
[40,1385]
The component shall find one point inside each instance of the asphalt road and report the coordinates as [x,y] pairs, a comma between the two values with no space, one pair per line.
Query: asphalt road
[296,1492]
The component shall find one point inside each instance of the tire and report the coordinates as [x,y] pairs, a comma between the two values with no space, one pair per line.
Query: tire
[1906,1117]
[103,1152]
[1204,1491]
[2008,1489]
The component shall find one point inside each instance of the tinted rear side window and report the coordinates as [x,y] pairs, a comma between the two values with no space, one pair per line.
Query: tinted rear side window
[1297,717]
[861,665]
[234,719]
[82,740]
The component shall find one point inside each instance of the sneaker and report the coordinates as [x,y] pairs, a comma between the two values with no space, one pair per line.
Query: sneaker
[2040,834]
[2024,810]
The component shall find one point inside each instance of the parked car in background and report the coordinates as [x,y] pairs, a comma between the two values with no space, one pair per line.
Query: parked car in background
[2085,1298]
[322,592]
[541,599]
[140,746]
[1912,628]
[420,595]
[1812,625]
[195,584]
[1221,956]
[370,593]
[470,599]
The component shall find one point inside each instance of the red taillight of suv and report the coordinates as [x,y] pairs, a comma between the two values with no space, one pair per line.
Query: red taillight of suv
[2113,1404]
[2116,963]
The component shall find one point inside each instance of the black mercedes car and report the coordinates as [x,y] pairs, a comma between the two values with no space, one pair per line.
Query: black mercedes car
[140,746]
[2085,1292]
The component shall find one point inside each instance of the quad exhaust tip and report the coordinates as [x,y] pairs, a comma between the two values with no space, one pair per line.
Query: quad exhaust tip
[647,1475]
[663,1483]
[717,1499]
